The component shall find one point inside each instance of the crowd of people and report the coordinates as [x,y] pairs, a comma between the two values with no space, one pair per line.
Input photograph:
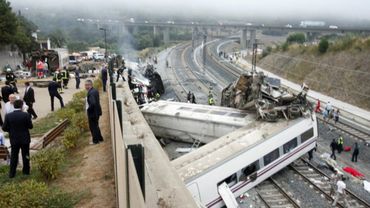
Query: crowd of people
[18,112]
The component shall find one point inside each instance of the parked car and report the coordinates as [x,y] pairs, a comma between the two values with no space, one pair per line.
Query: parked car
[98,57]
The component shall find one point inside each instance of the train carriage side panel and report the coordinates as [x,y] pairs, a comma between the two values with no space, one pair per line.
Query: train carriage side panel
[231,169]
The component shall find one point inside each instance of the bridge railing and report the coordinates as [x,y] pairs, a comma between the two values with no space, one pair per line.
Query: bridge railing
[128,190]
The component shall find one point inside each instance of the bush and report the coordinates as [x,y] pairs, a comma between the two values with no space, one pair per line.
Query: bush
[80,121]
[48,162]
[296,38]
[26,194]
[70,137]
[285,46]
[98,84]
[65,113]
[31,193]
[266,51]
[323,45]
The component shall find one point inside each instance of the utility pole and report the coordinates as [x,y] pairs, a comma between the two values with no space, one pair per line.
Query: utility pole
[204,48]
[254,57]
[105,42]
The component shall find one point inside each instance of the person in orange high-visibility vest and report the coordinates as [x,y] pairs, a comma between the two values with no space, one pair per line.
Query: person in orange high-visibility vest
[40,69]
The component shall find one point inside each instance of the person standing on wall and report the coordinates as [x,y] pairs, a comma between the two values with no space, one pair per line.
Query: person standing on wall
[104,77]
[29,99]
[93,109]
[18,124]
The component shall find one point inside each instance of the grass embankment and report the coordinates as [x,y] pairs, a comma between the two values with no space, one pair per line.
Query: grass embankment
[341,72]
[38,189]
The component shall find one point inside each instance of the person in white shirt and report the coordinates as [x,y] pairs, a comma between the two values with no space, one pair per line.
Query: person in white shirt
[9,106]
[341,192]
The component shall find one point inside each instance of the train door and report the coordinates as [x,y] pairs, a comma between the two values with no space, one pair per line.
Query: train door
[194,190]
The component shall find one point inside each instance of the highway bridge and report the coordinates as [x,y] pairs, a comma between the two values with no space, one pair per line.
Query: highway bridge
[246,40]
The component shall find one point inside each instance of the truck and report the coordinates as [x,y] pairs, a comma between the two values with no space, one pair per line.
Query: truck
[56,58]
[312,24]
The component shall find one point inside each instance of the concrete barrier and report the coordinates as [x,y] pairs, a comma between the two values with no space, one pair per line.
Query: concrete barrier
[163,186]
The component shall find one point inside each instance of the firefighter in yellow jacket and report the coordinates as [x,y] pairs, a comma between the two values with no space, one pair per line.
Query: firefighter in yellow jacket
[58,78]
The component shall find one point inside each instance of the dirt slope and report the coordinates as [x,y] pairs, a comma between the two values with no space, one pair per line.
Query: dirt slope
[344,75]
[92,173]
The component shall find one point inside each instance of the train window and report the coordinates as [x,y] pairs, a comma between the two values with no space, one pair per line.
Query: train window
[307,135]
[287,147]
[230,181]
[185,108]
[199,110]
[250,171]
[218,113]
[267,159]
[238,115]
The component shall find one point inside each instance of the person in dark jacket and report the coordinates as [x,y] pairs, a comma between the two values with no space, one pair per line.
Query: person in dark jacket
[93,112]
[333,147]
[18,124]
[355,153]
[29,99]
[6,91]
[77,77]
[53,92]
[104,77]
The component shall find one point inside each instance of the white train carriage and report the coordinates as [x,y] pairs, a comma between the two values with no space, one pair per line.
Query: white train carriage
[245,157]
[186,122]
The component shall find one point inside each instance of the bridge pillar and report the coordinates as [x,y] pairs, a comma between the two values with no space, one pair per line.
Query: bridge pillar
[155,30]
[193,36]
[252,38]
[166,35]
[243,39]
[135,30]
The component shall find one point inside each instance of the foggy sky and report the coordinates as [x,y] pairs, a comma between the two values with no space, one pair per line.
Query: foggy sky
[351,10]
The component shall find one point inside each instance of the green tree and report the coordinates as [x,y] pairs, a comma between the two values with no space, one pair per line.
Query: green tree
[58,38]
[296,38]
[323,45]
[77,46]
[8,23]
[23,37]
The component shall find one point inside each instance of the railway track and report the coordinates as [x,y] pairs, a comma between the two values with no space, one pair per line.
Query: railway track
[347,129]
[185,79]
[321,182]
[273,196]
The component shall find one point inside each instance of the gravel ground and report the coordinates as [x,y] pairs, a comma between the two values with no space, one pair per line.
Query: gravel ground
[300,189]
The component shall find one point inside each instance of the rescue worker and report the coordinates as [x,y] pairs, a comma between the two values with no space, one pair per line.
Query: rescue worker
[40,68]
[333,147]
[341,192]
[11,78]
[58,79]
[333,182]
[340,144]
[65,77]
[355,152]
[157,96]
[189,97]
[211,101]
[193,98]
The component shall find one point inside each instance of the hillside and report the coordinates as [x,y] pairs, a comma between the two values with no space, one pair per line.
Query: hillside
[343,72]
